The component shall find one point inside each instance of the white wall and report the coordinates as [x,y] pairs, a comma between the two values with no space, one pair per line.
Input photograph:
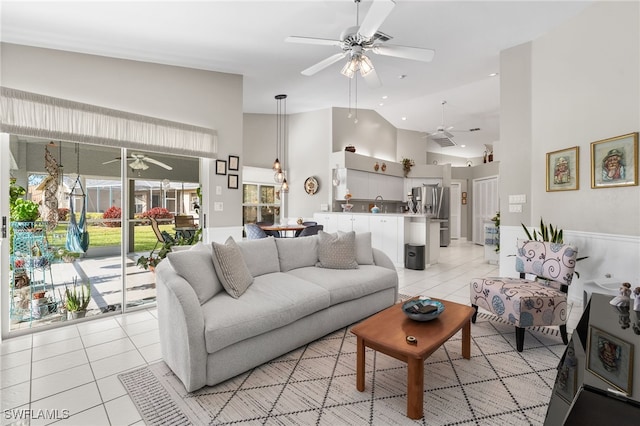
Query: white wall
[201,98]
[372,135]
[259,140]
[583,83]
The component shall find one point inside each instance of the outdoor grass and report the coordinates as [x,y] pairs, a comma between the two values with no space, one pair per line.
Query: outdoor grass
[102,236]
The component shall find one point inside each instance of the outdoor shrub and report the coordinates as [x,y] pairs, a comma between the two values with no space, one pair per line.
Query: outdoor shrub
[63,214]
[157,213]
[113,213]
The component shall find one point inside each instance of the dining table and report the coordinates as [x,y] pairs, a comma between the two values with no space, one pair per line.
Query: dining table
[283,229]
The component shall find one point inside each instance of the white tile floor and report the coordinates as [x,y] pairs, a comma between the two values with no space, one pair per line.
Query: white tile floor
[69,375]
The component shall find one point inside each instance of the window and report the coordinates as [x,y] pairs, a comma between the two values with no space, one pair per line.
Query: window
[260,203]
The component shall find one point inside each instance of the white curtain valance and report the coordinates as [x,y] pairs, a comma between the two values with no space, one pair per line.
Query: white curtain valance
[31,114]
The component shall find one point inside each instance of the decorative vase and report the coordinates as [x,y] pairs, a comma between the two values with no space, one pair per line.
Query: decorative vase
[350,148]
[71,315]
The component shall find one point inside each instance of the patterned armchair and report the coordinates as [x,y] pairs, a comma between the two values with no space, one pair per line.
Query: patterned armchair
[526,303]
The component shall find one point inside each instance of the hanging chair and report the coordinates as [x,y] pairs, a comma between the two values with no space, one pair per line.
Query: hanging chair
[77,234]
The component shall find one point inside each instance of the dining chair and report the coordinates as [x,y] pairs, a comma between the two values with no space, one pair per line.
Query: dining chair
[541,301]
[310,223]
[161,236]
[310,230]
[254,232]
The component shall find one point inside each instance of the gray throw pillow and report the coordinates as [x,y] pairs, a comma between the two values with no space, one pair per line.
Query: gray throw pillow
[196,267]
[230,267]
[364,252]
[337,251]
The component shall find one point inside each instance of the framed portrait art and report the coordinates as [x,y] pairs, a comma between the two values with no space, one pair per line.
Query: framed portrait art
[221,167]
[232,181]
[562,170]
[614,161]
[234,162]
[611,359]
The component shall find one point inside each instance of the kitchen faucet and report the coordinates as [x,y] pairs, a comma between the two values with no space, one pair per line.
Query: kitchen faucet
[381,201]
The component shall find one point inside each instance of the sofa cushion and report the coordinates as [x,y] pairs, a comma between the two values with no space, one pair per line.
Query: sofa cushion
[230,267]
[364,253]
[344,285]
[196,267]
[297,252]
[337,251]
[272,301]
[260,256]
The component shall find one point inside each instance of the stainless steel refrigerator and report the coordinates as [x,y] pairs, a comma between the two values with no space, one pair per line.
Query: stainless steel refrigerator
[435,201]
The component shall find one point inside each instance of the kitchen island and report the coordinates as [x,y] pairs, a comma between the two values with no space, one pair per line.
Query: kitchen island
[389,231]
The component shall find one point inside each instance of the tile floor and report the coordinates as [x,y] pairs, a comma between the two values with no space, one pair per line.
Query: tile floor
[69,375]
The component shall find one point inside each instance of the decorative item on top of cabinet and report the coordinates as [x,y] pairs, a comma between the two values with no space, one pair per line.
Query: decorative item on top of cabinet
[383,167]
[407,163]
[376,166]
[350,148]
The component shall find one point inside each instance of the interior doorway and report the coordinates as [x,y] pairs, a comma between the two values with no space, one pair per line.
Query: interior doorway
[485,205]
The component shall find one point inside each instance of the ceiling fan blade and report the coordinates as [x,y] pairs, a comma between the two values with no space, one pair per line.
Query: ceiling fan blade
[313,40]
[372,79]
[378,12]
[324,63]
[158,163]
[111,161]
[406,52]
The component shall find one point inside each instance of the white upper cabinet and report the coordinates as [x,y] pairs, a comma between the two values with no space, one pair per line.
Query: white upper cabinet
[367,186]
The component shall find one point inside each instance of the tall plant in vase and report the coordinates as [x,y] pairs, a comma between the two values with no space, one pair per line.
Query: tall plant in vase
[407,163]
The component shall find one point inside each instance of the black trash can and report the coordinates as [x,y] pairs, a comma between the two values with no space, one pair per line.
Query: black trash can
[414,256]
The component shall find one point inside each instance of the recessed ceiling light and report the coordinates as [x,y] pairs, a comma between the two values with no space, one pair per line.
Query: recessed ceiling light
[381,104]
[402,76]
[404,118]
[463,146]
[493,74]
[385,97]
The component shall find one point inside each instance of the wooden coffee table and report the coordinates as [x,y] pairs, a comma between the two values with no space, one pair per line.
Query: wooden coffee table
[387,332]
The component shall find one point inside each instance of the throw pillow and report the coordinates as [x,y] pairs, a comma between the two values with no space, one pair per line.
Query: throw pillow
[230,267]
[337,251]
[364,252]
[196,267]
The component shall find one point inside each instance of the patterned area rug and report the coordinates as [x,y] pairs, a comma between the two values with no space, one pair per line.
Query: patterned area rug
[315,384]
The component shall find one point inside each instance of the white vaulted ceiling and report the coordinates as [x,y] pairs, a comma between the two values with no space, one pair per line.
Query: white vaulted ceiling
[247,37]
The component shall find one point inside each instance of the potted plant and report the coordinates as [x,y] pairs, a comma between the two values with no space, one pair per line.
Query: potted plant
[76,300]
[407,163]
[156,255]
[24,210]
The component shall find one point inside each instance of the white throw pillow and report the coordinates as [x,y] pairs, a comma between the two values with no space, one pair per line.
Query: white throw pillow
[337,251]
[196,267]
[230,267]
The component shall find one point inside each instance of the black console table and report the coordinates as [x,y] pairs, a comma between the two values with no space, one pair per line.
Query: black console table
[598,380]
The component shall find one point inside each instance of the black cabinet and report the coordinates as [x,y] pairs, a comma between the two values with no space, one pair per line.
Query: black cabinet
[598,380]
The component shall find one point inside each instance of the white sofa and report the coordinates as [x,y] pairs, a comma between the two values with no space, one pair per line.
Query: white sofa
[207,336]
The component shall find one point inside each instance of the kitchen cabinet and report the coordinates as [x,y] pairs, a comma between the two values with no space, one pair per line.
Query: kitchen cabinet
[367,186]
[388,236]
[353,222]
[329,221]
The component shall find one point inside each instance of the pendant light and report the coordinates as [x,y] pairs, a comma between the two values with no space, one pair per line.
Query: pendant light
[281,112]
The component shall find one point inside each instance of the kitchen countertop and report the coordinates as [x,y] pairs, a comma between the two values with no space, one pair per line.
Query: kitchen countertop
[407,215]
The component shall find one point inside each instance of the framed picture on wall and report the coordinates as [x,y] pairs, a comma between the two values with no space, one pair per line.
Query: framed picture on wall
[234,162]
[563,170]
[232,181]
[614,161]
[221,167]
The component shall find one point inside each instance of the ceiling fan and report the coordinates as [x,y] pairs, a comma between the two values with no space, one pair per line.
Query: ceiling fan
[441,135]
[356,41]
[139,162]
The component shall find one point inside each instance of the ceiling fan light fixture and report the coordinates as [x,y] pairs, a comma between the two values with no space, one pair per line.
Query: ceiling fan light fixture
[365,65]
[350,68]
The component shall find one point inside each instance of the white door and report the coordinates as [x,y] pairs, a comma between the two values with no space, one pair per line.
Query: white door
[485,205]
[454,212]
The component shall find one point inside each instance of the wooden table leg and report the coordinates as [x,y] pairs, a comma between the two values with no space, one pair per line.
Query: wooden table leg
[415,387]
[466,340]
[360,365]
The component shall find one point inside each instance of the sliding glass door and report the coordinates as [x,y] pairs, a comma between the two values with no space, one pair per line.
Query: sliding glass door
[77,255]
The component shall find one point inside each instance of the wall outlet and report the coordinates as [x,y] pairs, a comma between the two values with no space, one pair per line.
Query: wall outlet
[218,190]
[217,206]
[515,208]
